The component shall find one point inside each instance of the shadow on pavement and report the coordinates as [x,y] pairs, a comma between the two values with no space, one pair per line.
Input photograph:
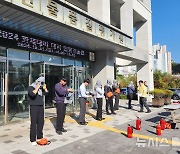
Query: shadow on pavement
[53,121]
[151,132]
[154,119]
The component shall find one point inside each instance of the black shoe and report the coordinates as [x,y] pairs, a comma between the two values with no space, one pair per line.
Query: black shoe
[113,113]
[99,119]
[59,132]
[141,111]
[63,130]
[82,123]
[149,111]
[130,107]
[108,113]
[102,118]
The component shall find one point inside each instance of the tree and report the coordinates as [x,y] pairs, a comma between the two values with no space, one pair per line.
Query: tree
[175,68]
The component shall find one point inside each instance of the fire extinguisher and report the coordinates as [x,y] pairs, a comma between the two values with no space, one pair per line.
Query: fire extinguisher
[158,130]
[138,124]
[162,123]
[129,131]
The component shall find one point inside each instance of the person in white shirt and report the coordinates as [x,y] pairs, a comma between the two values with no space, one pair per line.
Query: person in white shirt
[99,98]
[83,95]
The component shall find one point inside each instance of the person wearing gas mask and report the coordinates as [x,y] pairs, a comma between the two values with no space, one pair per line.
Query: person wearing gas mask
[108,92]
[35,97]
[61,90]
[116,92]
[99,98]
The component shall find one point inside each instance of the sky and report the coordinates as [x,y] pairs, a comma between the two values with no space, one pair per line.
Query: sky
[166,25]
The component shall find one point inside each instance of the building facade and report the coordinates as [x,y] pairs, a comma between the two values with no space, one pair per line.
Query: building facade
[139,26]
[162,59]
[73,38]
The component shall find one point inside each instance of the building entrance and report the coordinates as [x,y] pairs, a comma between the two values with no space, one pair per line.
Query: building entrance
[2,91]
[53,72]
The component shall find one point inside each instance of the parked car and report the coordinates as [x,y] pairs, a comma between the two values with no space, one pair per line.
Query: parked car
[176,93]
[123,91]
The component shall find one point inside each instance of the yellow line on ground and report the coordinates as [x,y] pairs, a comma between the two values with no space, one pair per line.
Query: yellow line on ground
[100,124]
[157,139]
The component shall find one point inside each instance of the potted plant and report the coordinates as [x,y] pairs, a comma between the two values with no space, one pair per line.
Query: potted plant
[158,97]
[167,97]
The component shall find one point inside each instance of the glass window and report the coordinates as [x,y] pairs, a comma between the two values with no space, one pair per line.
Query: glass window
[12,53]
[79,3]
[78,63]
[68,62]
[18,82]
[3,52]
[46,58]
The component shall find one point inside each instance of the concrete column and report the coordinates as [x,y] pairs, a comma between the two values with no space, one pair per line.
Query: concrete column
[100,9]
[103,68]
[126,12]
[144,41]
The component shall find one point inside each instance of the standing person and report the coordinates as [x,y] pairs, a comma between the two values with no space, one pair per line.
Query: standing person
[145,83]
[83,95]
[99,97]
[61,90]
[35,96]
[142,90]
[108,92]
[116,92]
[130,91]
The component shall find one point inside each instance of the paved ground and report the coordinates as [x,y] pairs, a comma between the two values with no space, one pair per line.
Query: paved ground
[105,137]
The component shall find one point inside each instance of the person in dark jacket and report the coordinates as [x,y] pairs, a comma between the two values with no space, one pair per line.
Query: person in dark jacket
[108,92]
[61,91]
[116,92]
[35,96]
[130,91]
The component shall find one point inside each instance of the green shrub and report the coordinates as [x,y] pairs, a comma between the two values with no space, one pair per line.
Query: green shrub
[168,93]
[158,93]
[123,97]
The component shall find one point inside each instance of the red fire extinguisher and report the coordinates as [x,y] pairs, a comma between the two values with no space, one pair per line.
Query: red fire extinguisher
[129,131]
[162,123]
[158,130]
[138,124]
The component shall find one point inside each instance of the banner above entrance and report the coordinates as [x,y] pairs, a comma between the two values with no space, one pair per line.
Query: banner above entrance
[14,39]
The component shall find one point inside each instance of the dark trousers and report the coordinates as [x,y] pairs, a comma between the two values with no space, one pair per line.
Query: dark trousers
[61,112]
[82,102]
[99,109]
[143,103]
[109,102]
[116,104]
[130,97]
[37,122]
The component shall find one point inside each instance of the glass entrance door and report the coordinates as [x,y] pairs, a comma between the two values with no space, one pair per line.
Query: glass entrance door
[2,92]
[52,75]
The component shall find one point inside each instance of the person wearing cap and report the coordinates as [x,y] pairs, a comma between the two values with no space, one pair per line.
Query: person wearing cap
[61,90]
[83,95]
[35,98]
